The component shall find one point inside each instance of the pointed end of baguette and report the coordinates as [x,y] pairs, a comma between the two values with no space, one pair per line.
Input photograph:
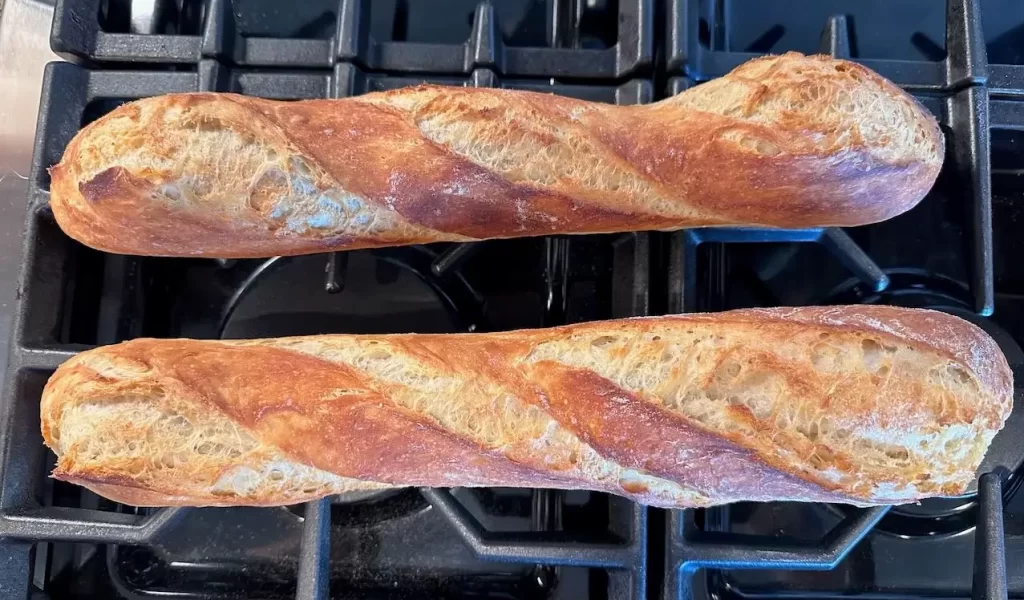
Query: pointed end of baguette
[150,446]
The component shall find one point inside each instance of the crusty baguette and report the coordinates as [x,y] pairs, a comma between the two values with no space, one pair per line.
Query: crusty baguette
[784,141]
[865,405]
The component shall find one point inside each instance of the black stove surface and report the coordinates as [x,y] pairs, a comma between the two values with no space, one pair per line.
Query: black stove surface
[964,59]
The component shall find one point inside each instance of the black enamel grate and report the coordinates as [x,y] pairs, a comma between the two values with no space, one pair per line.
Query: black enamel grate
[73,94]
[566,49]
[625,52]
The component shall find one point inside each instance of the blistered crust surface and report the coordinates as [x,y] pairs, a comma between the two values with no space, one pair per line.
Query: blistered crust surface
[785,141]
[866,405]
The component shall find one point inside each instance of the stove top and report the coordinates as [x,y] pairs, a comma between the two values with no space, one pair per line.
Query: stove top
[963,59]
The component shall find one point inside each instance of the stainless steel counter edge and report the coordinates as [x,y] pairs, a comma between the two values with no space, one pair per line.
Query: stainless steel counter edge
[24,51]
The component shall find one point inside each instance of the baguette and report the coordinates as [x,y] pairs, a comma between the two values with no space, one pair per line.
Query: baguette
[784,141]
[861,405]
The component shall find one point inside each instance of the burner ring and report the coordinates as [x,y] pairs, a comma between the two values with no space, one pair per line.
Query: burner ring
[463,305]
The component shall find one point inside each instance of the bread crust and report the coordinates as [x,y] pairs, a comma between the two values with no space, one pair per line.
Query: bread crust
[786,141]
[864,405]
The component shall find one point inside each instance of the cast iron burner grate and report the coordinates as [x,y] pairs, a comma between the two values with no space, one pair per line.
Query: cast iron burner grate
[501,284]
[550,38]
[509,543]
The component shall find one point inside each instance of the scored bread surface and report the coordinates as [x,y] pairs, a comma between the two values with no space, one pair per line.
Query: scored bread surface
[864,405]
[781,141]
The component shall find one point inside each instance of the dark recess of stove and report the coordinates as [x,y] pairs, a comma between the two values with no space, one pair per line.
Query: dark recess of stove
[624,51]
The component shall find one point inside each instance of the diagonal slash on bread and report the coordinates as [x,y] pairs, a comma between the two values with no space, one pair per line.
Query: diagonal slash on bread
[785,141]
[860,404]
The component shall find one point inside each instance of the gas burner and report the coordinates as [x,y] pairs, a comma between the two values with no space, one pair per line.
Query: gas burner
[381,291]
[392,290]
[910,288]
[914,288]
[385,291]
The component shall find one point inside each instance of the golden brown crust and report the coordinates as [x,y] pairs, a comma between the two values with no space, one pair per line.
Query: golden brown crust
[787,141]
[946,335]
[866,405]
